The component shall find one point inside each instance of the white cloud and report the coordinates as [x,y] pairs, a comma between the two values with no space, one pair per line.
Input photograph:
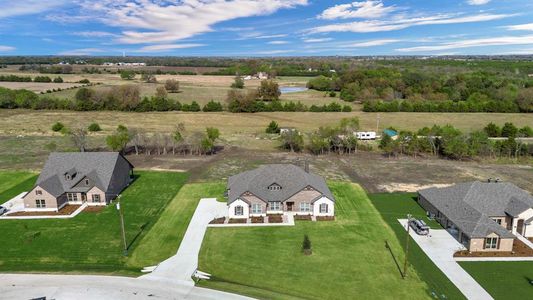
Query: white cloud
[6,48]
[317,40]
[27,7]
[155,21]
[477,2]
[94,34]
[362,10]
[274,52]
[372,43]
[278,42]
[81,52]
[404,22]
[528,27]
[156,48]
[482,42]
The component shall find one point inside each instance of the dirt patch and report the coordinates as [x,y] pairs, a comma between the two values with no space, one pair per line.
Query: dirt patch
[519,250]
[94,209]
[66,210]
[408,187]
[218,220]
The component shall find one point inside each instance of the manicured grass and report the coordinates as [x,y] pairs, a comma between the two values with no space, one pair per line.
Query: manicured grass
[503,280]
[13,183]
[349,257]
[394,206]
[90,242]
[163,240]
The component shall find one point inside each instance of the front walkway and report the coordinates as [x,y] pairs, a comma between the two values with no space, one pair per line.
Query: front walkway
[440,246]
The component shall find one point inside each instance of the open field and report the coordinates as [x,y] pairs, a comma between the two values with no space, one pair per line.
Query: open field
[38,87]
[90,242]
[349,257]
[395,206]
[503,280]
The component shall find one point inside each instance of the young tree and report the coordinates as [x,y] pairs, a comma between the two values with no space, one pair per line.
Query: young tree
[509,130]
[57,126]
[292,140]
[118,140]
[238,83]
[306,245]
[492,130]
[269,90]
[161,92]
[272,128]
[172,86]
[94,127]
[148,77]
[212,133]
[127,74]
[79,138]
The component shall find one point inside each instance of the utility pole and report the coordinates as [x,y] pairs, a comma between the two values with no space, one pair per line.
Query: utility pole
[404,274]
[122,227]
[377,124]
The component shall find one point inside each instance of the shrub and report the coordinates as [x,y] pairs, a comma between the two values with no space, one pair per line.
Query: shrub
[526,131]
[272,128]
[58,126]
[212,106]
[346,108]
[238,83]
[172,86]
[306,246]
[332,94]
[94,127]
[85,81]
[58,80]
[509,130]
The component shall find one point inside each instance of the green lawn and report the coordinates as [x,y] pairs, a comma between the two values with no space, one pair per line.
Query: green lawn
[13,183]
[397,205]
[503,280]
[90,242]
[349,259]
[163,240]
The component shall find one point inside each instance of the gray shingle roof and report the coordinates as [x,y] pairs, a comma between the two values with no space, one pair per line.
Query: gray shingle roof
[97,166]
[471,205]
[291,178]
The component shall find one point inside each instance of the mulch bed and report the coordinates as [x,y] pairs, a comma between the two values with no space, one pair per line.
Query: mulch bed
[237,221]
[519,250]
[258,219]
[531,239]
[66,210]
[218,221]
[275,218]
[303,217]
[325,218]
[94,209]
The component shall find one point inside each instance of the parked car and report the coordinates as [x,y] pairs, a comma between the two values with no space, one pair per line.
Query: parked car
[419,226]
[3,210]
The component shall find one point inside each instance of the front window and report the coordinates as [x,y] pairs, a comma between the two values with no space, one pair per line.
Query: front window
[305,207]
[72,197]
[256,208]
[275,205]
[96,198]
[323,208]
[239,211]
[491,243]
[499,221]
[40,203]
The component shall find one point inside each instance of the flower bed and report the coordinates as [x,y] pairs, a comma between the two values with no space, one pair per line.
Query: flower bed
[275,218]
[302,217]
[325,218]
[258,220]
[237,221]
[218,221]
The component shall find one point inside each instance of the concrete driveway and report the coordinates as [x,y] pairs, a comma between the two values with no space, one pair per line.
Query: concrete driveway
[440,246]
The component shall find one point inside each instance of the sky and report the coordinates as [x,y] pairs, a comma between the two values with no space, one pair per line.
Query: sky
[265,27]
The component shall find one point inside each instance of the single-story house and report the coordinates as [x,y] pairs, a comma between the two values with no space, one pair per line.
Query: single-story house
[76,178]
[278,189]
[483,216]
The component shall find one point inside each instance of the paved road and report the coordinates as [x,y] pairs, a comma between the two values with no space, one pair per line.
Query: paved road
[440,247]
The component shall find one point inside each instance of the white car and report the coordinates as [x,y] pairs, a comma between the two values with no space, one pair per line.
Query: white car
[3,210]
[419,227]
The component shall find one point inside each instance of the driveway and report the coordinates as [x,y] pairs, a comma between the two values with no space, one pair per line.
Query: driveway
[440,246]
[15,204]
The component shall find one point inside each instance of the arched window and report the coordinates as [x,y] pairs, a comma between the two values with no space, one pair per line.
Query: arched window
[239,211]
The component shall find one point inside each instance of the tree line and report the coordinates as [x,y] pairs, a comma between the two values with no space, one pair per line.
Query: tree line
[15,78]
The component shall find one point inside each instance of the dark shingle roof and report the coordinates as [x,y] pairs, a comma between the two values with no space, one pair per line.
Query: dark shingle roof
[471,205]
[97,166]
[291,178]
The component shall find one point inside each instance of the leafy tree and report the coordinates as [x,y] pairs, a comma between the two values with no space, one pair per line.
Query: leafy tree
[212,133]
[172,86]
[292,140]
[238,83]
[272,128]
[57,126]
[161,92]
[212,106]
[526,131]
[94,127]
[148,77]
[525,100]
[320,83]
[268,90]
[492,130]
[509,130]
[127,74]
[118,140]
[58,80]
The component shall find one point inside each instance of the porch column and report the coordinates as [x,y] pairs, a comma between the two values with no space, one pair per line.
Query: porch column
[515,225]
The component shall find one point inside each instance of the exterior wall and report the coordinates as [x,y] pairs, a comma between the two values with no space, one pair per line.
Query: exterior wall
[96,191]
[331,207]
[255,200]
[245,210]
[119,180]
[51,201]
[504,221]
[306,195]
[528,229]
[476,245]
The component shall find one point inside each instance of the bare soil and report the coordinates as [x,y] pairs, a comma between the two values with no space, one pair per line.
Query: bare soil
[66,210]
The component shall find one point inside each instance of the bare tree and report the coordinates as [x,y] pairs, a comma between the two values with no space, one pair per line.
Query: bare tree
[79,138]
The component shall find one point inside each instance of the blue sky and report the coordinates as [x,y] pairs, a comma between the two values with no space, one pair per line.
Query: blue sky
[265,27]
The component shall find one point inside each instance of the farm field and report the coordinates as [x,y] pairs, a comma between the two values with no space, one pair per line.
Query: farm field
[513,278]
[91,242]
[397,205]
[349,257]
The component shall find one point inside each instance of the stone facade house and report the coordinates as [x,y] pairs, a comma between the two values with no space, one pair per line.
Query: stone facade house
[483,216]
[76,178]
[278,189]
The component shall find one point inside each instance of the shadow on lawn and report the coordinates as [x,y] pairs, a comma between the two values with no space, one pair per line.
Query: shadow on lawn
[394,258]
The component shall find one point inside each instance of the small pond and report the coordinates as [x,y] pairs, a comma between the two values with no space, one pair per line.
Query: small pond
[292,89]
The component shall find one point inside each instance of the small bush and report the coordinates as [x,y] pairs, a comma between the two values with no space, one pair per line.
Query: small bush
[306,245]
[58,126]
[94,127]
[85,81]
[332,94]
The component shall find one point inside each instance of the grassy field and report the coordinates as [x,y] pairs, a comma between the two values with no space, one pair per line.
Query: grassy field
[164,238]
[349,257]
[14,181]
[90,242]
[503,280]
[395,206]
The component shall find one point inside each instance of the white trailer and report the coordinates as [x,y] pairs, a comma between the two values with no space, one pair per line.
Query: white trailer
[366,135]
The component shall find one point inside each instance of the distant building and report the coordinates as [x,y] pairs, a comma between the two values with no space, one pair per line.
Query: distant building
[392,133]
[366,135]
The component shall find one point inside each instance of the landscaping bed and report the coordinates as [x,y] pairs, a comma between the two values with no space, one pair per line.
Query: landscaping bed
[302,217]
[275,218]
[258,219]
[325,218]
[218,220]
[64,211]
[94,209]
[520,250]
[238,221]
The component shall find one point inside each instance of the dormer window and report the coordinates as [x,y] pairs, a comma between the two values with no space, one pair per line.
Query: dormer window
[68,177]
[86,181]
[274,187]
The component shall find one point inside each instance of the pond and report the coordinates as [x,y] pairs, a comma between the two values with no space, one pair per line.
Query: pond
[292,89]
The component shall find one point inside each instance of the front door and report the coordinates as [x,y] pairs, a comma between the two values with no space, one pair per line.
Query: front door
[289,206]
[520,227]
[83,197]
